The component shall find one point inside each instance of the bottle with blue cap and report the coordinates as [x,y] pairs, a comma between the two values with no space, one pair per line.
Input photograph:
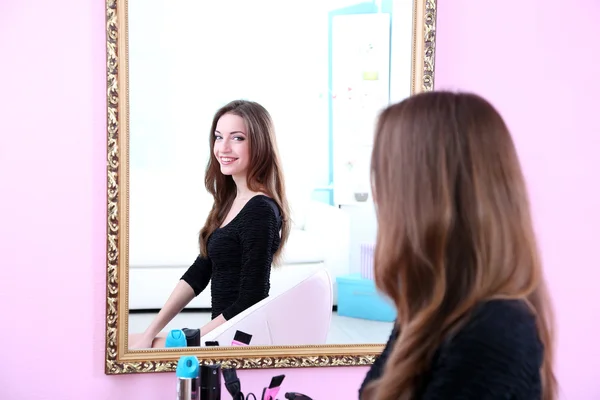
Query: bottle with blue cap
[188,378]
[176,338]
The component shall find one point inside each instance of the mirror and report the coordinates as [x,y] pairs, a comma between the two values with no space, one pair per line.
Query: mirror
[322,71]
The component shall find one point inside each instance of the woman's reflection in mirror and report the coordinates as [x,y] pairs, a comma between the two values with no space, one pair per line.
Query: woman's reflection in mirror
[246,228]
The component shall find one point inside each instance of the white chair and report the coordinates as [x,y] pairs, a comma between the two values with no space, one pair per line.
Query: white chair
[300,315]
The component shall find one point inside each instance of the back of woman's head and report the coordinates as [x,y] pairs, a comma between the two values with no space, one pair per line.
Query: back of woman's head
[454,227]
[264,172]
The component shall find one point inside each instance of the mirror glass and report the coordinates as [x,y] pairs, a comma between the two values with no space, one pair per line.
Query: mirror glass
[323,70]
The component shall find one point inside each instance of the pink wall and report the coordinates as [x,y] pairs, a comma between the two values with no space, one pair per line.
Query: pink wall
[52,166]
[538,62]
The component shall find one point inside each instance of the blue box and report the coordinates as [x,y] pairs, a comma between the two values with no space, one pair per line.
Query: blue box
[359,298]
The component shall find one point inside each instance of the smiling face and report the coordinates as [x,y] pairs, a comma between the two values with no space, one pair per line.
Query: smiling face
[231,147]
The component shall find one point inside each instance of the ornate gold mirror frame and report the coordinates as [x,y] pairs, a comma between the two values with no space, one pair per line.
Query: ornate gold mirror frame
[120,360]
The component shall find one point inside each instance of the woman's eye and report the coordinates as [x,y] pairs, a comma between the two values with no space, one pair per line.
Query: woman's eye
[238,138]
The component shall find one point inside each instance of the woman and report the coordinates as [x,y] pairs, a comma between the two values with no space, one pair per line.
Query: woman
[456,252]
[246,228]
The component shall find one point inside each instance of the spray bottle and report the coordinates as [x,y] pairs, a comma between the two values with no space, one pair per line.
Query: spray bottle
[188,378]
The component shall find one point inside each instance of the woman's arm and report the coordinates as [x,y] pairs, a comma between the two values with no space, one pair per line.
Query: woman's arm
[212,324]
[191,284]
[180,297]
[198,274]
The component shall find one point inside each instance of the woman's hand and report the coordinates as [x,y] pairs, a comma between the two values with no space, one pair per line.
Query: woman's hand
[140,342]
[218,321]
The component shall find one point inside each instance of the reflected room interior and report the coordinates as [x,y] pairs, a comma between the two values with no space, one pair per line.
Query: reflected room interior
[323,72]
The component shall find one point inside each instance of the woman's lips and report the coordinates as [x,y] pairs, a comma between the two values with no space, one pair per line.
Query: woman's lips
[227,160]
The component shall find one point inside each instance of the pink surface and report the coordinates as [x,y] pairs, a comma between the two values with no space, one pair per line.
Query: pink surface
[52,166]
[538,62]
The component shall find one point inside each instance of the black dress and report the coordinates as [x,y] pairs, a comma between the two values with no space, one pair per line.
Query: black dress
[239,259]
[496,355]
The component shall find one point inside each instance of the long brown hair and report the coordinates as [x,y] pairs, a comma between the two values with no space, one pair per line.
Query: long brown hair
[454,229]
[264,172]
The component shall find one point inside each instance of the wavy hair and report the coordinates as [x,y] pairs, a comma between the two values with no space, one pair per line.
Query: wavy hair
[454,229]
[264,171]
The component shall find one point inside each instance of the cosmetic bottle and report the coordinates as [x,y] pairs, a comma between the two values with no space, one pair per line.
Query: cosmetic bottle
[210,382]
[192,337]
[188,381]
[176,338]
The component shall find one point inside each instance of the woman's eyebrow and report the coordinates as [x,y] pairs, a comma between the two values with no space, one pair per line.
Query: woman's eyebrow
[231,133]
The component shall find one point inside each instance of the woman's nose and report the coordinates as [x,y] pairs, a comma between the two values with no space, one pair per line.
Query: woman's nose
[225,146]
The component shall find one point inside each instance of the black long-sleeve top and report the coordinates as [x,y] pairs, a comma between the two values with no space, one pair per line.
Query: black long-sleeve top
[239,259]
[496,355]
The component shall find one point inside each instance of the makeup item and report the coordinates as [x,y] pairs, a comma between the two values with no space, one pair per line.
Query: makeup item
[192,337]
[233,384]
[210,382]
[241,339]
[270,393]
[188,381]
[176,338]
[296,396]
[211,343]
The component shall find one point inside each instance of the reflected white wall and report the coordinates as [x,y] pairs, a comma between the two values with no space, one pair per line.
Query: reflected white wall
[188,58]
